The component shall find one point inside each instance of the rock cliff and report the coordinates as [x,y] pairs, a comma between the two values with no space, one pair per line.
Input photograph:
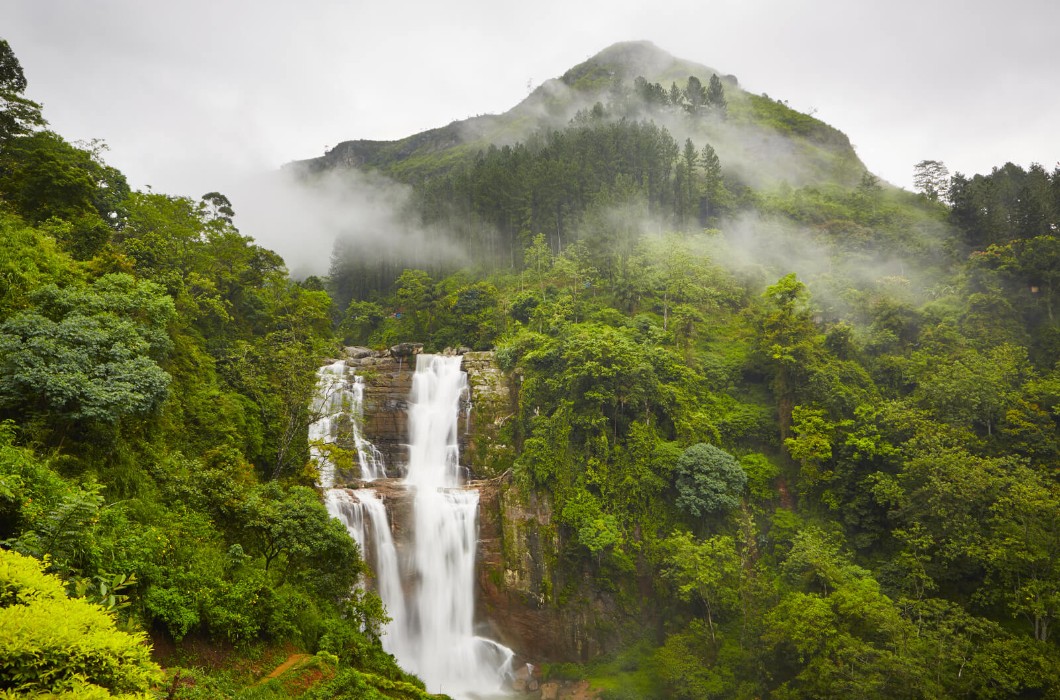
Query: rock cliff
[519,544]
[388,379]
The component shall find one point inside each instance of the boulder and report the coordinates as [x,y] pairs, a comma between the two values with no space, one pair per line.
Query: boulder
[406,349]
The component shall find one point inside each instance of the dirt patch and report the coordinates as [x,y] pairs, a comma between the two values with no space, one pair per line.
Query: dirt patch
[284,667]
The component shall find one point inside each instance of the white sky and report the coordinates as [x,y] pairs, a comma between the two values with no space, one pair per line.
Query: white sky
[192,95]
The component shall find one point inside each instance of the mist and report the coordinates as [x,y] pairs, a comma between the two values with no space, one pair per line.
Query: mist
[302,217]
[374,218]
[839,272]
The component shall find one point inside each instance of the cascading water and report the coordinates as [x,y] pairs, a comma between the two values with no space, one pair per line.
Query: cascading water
[365,518]
[431,631]
[361,510]
[368,457]
[327,406]
[337,397]
[441,645]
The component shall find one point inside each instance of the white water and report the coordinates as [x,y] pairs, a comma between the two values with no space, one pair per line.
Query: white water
[365,518]
[340,395]
[361,511]
[327,406]
[430,597]
[442,648]
[370,459]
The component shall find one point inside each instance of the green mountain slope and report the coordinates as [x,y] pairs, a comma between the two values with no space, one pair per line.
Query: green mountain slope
[776,430]
[761,140]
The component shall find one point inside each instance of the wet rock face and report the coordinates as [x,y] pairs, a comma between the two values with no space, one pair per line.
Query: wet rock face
[388,381]
[519,545]
[519,578]
[488,452]
[517,548]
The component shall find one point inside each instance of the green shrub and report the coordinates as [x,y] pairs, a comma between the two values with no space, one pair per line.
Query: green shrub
[53,644]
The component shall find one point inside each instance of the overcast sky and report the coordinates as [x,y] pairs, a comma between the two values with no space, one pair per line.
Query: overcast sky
[191,95]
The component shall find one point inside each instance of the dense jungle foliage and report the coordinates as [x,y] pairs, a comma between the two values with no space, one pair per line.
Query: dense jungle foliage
[838,483]
[803,432]
[156,368]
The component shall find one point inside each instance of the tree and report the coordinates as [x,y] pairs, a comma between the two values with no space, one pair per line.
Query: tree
[472,315]
[704,571]
[606,375]
[44,176]
[596,530]
[712,182]
[1023,555]
[1034,263]
[414,290]
[973,389]
[812,445]
[299,541]
[837,634]
[685,665]
[869,194]
[71,190]
[87,356]
[686,196]
[219,207]
[709,480]
[359,321]
[674,95]
[12,79]
[650,93]
[29,259]
[788,344]
[675,274]
[18,115]
[537,261]
[575,267]
[695,94]
[931,178]
[82,368]
[715,97]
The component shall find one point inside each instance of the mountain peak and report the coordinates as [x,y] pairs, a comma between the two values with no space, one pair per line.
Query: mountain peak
[760,141]
[629,59]
[636,55]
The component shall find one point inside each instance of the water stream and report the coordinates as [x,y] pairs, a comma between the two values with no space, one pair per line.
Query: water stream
[429,591]
[339,401]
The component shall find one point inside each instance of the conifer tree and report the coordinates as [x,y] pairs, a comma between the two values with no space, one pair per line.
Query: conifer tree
[675,95]
[716,95]
[695,93]
[18,115]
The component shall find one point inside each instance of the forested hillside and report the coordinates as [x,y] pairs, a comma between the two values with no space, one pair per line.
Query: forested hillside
[156,368]
[800,425]
[798,428]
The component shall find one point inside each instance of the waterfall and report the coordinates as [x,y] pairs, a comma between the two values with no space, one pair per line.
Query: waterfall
[430,593]
[339,398]
[327,405]
[442,647]
[361,511]
[348,510]
[369,458]
[365,518]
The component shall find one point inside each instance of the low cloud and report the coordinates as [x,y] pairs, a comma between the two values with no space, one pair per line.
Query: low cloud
[302,217]
[833,263]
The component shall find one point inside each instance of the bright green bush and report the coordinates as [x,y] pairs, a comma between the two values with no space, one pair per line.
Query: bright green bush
[53,644]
